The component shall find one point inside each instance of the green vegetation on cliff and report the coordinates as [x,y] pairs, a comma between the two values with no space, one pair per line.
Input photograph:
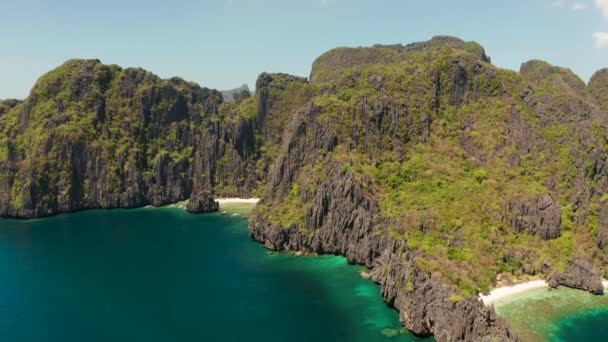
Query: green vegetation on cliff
[92,135]
[477,170]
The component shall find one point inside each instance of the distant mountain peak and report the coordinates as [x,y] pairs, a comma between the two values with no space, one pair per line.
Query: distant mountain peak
[229,94]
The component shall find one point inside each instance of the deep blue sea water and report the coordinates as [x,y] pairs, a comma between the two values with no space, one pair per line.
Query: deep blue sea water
[591,325]
[166,275]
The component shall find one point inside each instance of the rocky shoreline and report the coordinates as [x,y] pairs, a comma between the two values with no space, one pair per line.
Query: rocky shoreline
[426,307]
[341,220]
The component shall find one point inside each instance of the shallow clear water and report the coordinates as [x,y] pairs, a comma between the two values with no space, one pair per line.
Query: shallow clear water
[557,315]
[166,275]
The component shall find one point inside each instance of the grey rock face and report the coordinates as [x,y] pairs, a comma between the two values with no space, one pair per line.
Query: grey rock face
[271,120]
[428,307]
[539,215]
[602,238]
[346,221]
[171,146]
[579,275]
[202,203]
[602,232]
[342,219]
[598,88]
[6,105]
[540,71]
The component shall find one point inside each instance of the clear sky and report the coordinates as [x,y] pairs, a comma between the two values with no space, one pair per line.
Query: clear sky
[225,43]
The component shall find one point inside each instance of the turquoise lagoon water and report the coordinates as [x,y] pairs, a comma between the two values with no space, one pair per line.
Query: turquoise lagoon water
[562,315]
[166,275]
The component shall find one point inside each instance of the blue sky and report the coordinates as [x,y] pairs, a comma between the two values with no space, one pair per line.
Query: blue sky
[224,43]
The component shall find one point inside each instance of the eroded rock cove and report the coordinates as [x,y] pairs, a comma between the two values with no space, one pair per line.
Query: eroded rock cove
[424,162]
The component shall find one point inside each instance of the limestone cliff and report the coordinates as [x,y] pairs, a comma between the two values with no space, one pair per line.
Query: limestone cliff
[97,136]
[424,162]
[439,171]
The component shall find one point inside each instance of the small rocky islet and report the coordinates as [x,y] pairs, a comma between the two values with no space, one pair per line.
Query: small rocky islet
[423,162]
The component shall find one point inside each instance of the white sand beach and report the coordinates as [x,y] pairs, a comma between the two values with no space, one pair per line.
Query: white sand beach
[237,200]
[237,206]
[508,291]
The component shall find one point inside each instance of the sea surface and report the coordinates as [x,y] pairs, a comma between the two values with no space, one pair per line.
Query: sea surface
[562,315]
[167,275]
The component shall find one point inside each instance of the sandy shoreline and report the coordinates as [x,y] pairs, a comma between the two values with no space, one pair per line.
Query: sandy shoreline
[237,200]
[232,200]
[508,291]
